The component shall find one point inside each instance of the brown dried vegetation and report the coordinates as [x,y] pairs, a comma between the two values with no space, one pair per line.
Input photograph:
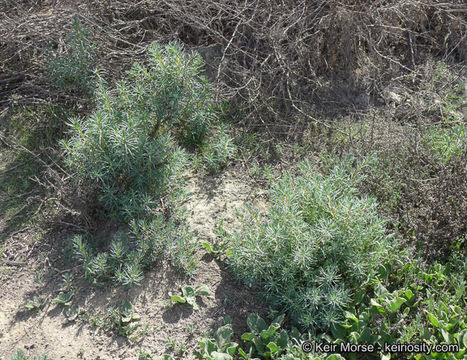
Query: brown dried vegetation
[321,55]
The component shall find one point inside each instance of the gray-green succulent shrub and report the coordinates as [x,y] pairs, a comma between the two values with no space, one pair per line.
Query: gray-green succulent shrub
[74,69]
[20,355]
[319,244]
[127,147]
[171,93]
[125,258]
[219,150]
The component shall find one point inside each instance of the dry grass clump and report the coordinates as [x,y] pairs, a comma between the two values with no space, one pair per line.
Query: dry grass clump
[278,56]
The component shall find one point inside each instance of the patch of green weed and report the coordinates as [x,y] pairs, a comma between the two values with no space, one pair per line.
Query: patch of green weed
[219,150]
[20,355]
[447,141]
[74,69]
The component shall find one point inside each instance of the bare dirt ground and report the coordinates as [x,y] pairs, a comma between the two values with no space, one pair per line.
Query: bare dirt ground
[169,329]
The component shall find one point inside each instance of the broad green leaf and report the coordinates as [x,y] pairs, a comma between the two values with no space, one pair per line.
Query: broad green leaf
[359,297]
[223,336]
[188,291]
[378,306]
[452,324]
[208,247]
[202,290]
[191,300]
[365,336]
[381,290]
[447,336]
[350,316]
[260,347]
[177,298]
[294,333]
[409,294]
[220,356]
[353,337]
[243,354]
[64,298]
[278,320]
[256,323]
[433,320]
[247,336]
[395,304]
[273,347]
[71,314]
[266,334]
[338,331]
[231,349]
[283,339]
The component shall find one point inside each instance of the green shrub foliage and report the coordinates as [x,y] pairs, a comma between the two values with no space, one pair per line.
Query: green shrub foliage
[20,355]
[319,244]
[126,146]
[219,151]
[125,257]
[74,69]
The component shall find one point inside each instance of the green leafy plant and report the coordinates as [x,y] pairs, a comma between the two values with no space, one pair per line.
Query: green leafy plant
[67,282]
[264,341]
[319,244]
[125,147]
[73,313]
[145,355]
[189,295]
[35,304]
[447,140]
[20,355]
[425,306]
[220,246]
[73,70]
[124,320]
[220,347]
[219,150]
[64,298]
[126,257]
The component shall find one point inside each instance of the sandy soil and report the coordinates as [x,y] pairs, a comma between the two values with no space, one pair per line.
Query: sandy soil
[48,332]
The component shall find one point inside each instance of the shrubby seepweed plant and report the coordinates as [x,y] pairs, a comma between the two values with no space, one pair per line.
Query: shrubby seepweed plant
[130,150]
[319,244]
[219,150]
[127,145]
[20,355]
[74,69]
[126,257]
